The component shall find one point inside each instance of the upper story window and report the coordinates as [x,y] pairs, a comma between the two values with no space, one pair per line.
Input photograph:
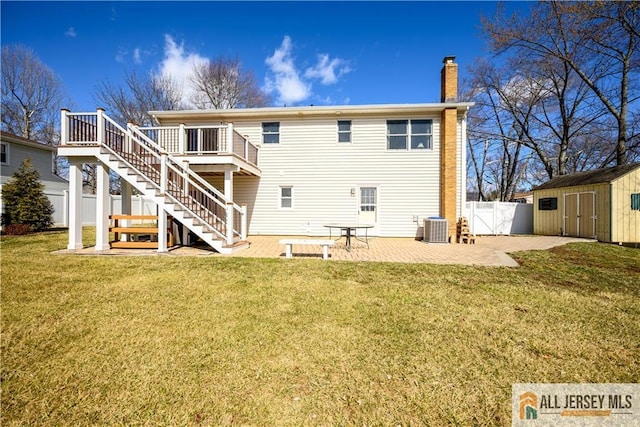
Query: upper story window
[418,132]
[344,130]
[271,133]
[4,154]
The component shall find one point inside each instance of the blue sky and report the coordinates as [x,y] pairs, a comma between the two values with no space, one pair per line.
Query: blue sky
[321,53]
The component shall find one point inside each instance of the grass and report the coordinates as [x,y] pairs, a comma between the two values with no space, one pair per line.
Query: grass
[230,341]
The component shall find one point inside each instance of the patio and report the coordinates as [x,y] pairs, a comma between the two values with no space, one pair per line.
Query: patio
[488,251]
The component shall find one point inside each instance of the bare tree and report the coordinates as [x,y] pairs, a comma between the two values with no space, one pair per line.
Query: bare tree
[31,96]
[132,101]
[598,41]
[223,84]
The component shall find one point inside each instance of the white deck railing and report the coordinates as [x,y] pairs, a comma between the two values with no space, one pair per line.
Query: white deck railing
[216,139]
[153,161]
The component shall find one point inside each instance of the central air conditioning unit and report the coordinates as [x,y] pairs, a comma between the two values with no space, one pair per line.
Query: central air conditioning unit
[436,230]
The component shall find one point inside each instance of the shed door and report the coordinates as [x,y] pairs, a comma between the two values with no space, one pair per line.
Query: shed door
[571,214]
[579,215]
[586,215]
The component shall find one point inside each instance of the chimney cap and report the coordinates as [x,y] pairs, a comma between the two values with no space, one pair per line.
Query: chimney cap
[448,59]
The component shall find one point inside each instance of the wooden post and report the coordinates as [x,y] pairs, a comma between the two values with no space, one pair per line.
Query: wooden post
[100,137]
[181,139]
[162,230]
[75,206]
[243,226]
[102,208]
[230,138]
[64,126]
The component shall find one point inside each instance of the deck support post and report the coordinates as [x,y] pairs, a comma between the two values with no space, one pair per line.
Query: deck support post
[243,224]
[125,192]
[162,230]
[102,207]
[228,184]
[75,206]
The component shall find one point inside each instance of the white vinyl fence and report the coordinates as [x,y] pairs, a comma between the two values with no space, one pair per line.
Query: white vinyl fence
[497,218]
[60,201]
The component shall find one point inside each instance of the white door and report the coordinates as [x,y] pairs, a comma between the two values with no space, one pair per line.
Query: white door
[368,209]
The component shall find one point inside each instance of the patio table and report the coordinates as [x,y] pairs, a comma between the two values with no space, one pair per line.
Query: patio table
[347,230]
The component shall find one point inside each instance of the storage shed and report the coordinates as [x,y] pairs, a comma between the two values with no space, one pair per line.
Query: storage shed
[602,204]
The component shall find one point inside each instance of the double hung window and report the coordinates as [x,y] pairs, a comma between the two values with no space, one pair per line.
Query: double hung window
[271,133]
[409,134]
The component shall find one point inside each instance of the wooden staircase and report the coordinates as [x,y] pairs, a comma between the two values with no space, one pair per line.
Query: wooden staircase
[158,176]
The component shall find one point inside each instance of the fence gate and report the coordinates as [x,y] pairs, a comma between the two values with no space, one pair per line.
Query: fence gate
[579,214]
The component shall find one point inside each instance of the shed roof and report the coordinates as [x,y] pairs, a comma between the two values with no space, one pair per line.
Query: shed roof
[596,176]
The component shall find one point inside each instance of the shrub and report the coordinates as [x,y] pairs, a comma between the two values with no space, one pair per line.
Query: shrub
[17,229]
[25,201]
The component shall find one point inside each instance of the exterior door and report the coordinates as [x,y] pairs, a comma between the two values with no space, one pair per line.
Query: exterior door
[579,215]
[368,209]
[571,214]
[586,215]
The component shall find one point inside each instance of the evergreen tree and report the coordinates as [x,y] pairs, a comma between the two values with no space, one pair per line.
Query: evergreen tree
[24,199]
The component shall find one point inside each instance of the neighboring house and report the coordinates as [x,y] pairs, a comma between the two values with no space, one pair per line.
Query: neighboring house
[522,197]
[225,174]
[601,204]
[14,149]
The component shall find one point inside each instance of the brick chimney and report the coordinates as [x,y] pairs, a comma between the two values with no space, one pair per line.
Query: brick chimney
[449,80]
[448,144]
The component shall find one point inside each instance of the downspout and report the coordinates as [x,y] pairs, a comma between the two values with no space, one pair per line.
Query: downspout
[463,166]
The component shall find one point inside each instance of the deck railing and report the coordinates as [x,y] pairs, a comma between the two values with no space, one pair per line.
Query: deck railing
[143,154]
[215,139]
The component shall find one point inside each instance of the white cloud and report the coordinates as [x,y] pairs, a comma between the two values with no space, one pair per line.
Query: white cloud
[137,56]
[121,55]
[327,70]
[71,32]
[179,64]
[284,78]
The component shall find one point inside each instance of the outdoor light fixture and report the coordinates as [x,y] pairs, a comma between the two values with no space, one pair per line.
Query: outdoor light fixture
[353,192]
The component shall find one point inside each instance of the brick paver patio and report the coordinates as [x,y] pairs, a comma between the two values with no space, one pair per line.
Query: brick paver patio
[487,251]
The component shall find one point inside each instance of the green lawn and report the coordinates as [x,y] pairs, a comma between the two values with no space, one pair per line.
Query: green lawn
[231,341]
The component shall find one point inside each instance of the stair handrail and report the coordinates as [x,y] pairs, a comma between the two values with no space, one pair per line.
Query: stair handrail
[113,136]
[199,180]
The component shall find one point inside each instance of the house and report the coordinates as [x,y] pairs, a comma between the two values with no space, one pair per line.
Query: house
[522,197]
[15,149]
[226,174]
[601,204]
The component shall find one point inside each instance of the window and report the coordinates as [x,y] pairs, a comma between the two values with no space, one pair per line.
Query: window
[344,130]
[635,202]
[548,204]
[286,197]
[271,133]
[420,134]
[399,132]
[4,154]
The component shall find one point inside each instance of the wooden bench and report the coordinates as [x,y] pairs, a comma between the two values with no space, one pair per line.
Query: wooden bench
[314,242]
[132,233]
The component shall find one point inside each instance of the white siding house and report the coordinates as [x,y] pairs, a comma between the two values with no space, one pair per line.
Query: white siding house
[226,174]
[14,150]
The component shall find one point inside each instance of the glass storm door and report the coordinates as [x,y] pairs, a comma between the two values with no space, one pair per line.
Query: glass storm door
[368,210]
